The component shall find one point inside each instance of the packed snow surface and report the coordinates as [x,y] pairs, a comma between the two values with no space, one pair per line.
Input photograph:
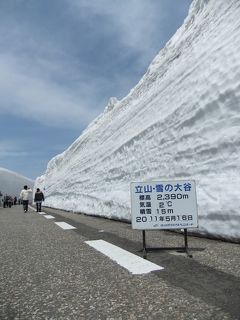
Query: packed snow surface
[181,121]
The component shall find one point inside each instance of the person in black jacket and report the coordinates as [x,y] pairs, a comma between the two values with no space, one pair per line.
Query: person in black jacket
[38,199]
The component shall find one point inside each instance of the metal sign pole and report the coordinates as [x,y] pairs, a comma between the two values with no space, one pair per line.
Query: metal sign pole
[144,244]
[186,243]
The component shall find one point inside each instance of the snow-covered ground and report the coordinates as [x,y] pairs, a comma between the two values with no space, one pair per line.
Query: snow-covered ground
[12,183]
[181,121]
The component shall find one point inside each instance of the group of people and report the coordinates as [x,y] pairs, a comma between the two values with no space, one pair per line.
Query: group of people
[26,195]
[8,201]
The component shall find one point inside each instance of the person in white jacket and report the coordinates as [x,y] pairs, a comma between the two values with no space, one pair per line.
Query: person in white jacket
[25,196]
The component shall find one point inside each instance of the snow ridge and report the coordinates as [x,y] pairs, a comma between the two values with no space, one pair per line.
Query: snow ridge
[181,121]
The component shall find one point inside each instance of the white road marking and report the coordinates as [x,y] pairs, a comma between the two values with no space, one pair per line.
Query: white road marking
[34,209]
[65,225]
[48,216]
[128,260]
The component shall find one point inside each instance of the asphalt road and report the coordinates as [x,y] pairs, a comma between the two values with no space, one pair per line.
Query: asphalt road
[47,272]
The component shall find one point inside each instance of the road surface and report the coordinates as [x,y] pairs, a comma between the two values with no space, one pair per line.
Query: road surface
[53,266]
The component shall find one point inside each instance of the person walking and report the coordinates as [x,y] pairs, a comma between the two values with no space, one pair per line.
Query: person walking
[10,201]
[5,201]
[38,199]
[25,196]
[1,200]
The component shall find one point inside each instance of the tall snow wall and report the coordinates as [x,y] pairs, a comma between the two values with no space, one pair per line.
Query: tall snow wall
[181,121]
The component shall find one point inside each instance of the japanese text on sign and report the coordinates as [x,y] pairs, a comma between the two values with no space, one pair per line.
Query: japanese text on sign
[164,205]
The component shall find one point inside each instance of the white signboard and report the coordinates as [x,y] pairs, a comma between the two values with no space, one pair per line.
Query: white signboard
[164,205]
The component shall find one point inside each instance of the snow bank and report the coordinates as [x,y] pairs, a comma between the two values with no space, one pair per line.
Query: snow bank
[182,120]
[12,183]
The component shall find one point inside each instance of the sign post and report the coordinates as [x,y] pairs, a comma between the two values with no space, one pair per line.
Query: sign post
[163,205]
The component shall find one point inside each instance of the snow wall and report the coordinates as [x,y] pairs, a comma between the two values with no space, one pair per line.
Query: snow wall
[181,121]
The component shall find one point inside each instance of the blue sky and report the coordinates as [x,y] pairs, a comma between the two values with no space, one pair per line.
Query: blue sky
[61,61]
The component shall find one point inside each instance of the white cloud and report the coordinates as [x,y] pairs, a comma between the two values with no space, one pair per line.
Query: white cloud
[8,148]
[134,21]
[31,94]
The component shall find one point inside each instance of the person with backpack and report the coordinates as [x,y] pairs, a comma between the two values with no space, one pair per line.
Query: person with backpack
[38,199]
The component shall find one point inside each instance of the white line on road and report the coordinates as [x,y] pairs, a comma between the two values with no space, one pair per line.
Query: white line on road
[48,216]
[128,260]
[35,210]
[64,225]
